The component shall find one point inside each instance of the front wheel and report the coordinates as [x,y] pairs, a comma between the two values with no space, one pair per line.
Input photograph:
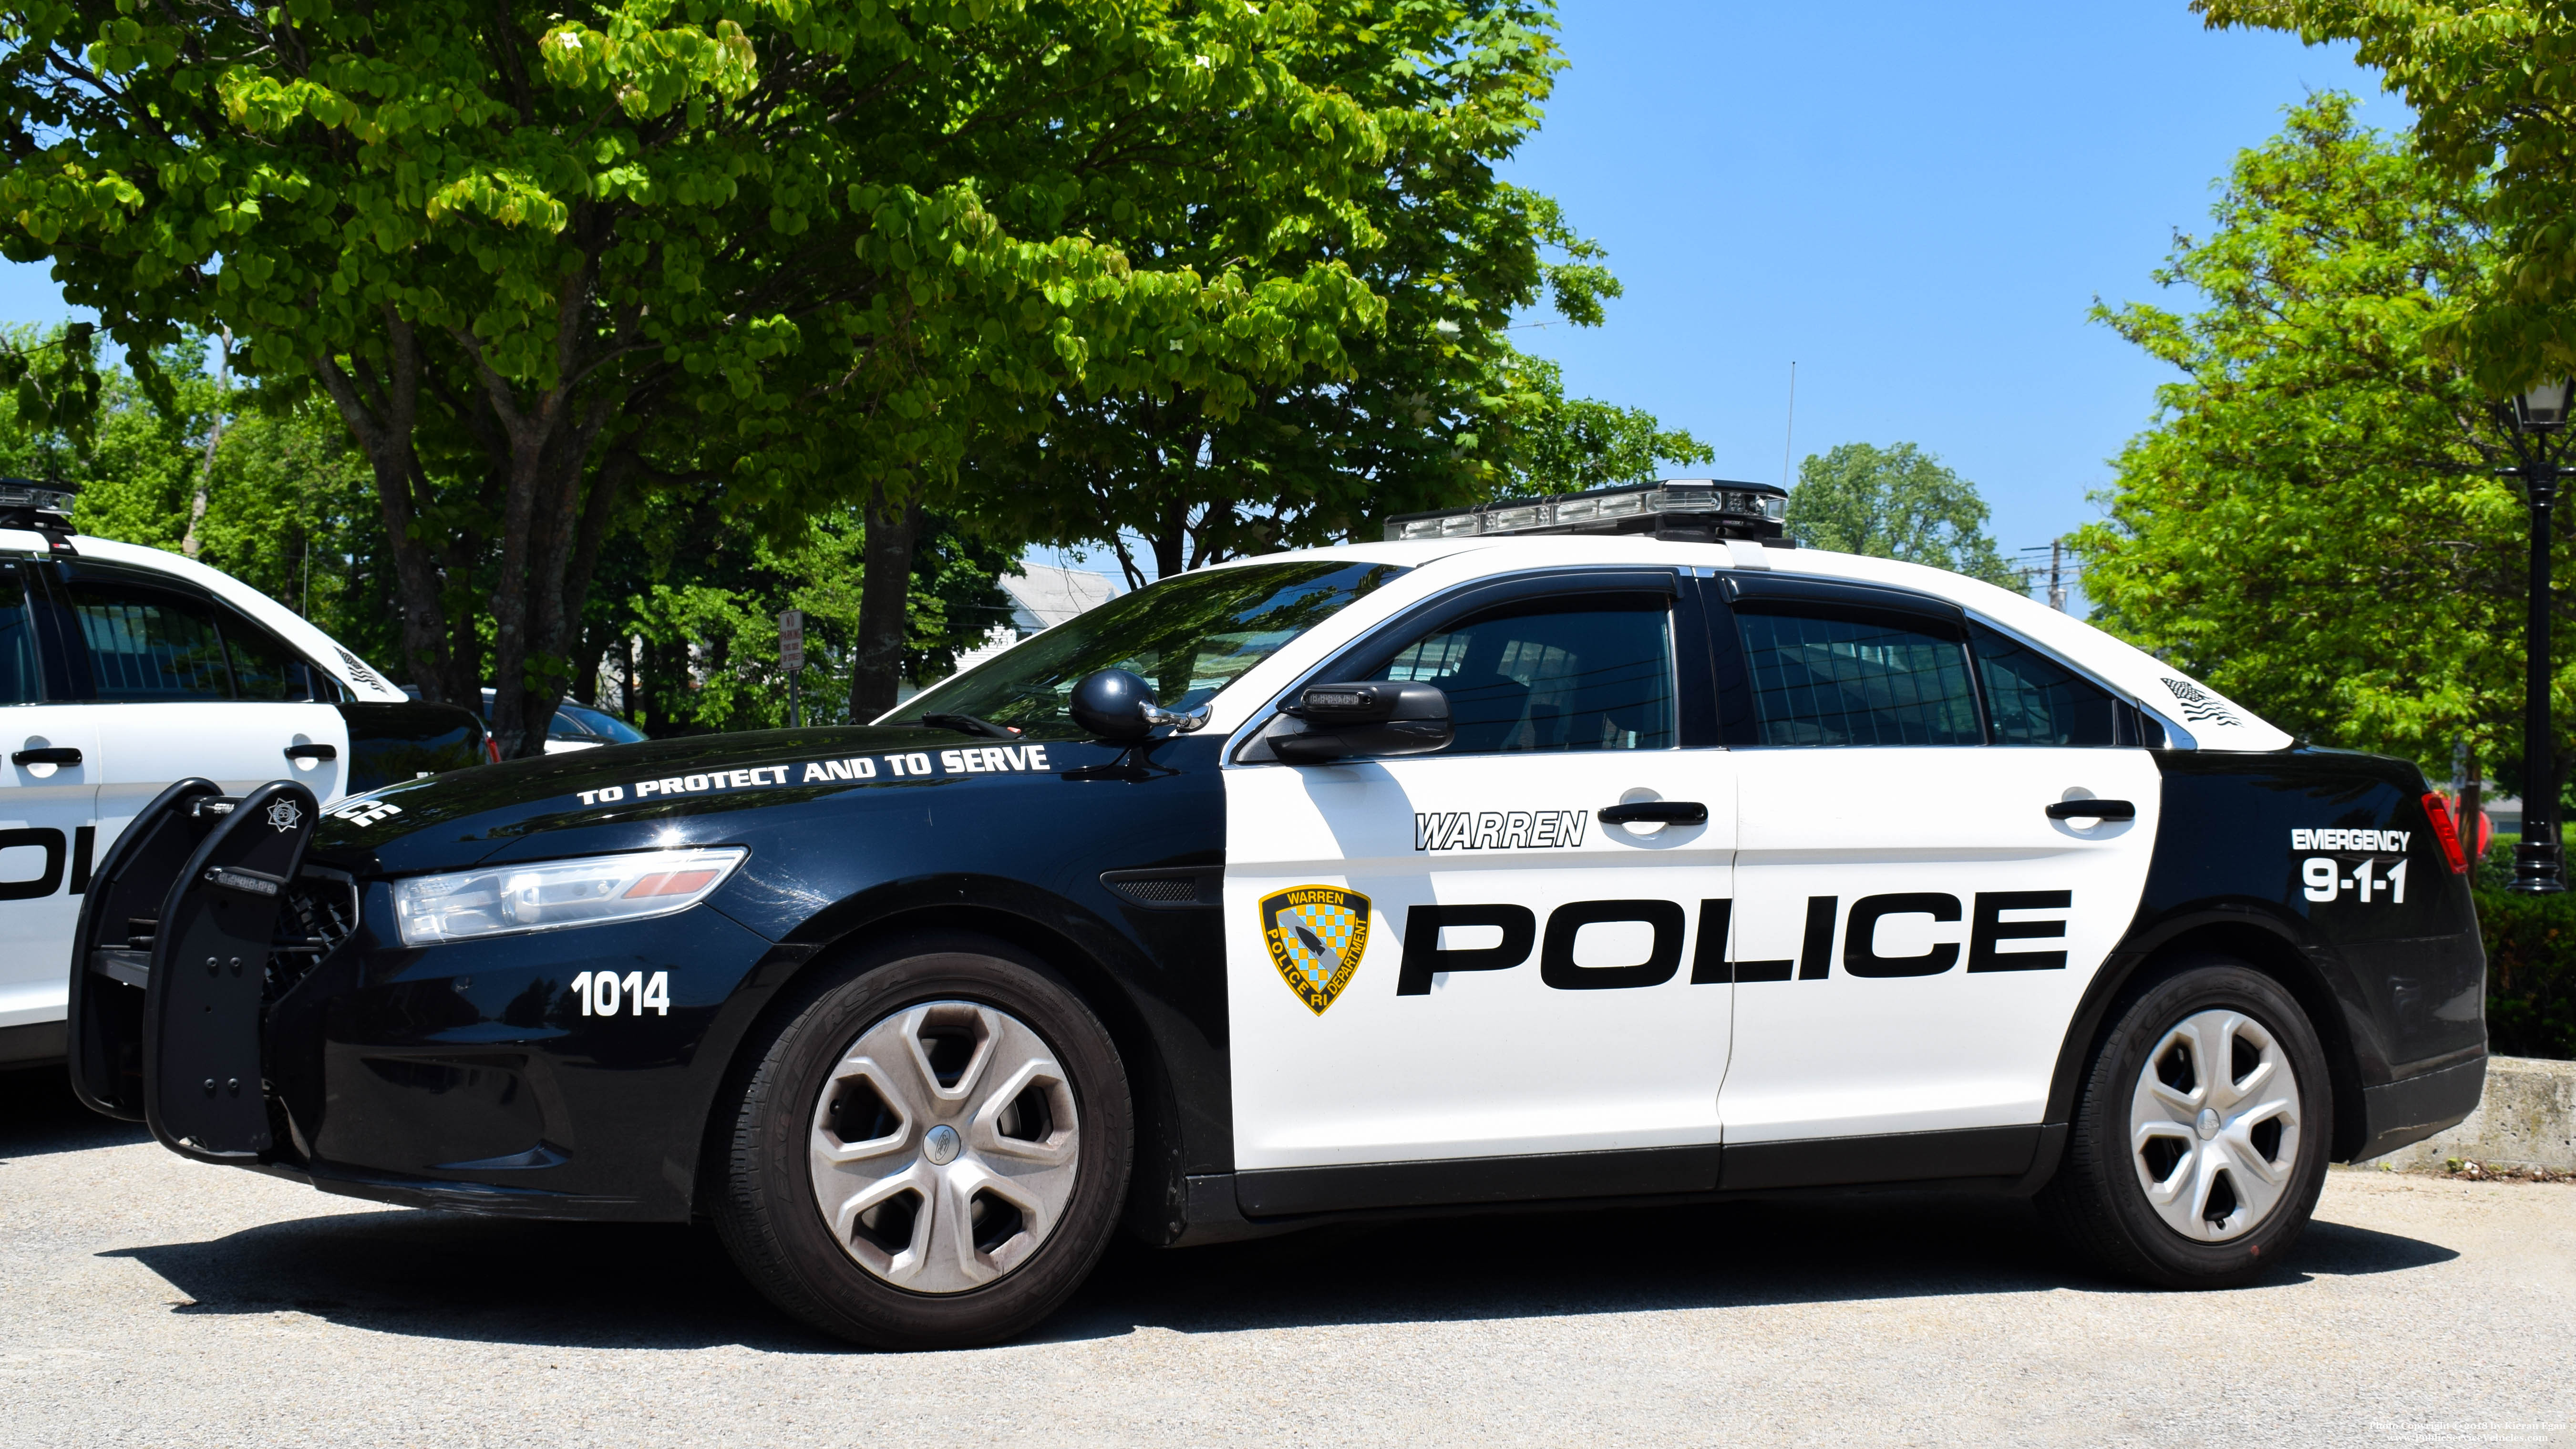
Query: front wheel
[2199,1143]
[932,1151]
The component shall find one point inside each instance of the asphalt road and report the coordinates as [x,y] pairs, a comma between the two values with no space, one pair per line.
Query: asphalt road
[149,1300]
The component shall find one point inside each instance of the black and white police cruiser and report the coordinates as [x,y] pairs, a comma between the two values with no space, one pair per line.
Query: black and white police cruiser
[125,668]
[1569,850]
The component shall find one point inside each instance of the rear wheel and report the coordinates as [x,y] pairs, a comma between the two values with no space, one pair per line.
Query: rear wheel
[2199,1143]
[932,1151]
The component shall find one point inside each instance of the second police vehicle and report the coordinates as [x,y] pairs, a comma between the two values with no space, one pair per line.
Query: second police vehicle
[1579,849]
[124,668]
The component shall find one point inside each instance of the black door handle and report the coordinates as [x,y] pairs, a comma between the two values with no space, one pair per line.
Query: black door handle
[1663,812]
[58,755]
[2100,809]
[313,752]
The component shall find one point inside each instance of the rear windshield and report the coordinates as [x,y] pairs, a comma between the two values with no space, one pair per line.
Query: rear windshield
[1188,636]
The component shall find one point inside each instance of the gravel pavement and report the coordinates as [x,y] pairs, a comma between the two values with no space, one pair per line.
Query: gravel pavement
[149,1300]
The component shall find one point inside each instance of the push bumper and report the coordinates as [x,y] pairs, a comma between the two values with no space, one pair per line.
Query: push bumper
[468,1076]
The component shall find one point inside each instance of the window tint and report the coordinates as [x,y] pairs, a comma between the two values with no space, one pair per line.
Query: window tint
[1833,681]
[19,683]
[2034,700]
[1556,674]
[148,645]
[264,668]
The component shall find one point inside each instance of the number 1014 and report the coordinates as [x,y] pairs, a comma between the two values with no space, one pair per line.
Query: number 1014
[602,992]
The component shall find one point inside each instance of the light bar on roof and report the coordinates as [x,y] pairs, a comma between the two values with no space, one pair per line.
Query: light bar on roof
[1690,509]
[18,493]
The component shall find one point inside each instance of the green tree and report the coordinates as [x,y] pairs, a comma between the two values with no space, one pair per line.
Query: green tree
[2493,86]
[537,256]
[1895,502]
[289,501]
[1567,445]
[684,616]
[1429,407]
[2308,522]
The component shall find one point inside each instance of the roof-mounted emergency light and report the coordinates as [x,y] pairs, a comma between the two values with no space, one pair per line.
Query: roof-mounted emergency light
[44,508]
[1690,510]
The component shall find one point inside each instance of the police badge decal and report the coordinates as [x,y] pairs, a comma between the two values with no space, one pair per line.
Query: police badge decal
[1316,934]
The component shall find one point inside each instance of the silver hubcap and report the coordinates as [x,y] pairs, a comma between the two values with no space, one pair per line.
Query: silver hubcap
[2214,1125]
[944,1146]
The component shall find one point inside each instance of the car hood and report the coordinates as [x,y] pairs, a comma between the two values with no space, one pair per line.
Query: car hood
[661,793]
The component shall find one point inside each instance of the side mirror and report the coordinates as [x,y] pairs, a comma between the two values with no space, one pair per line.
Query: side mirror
[1369,719]
[1118,706]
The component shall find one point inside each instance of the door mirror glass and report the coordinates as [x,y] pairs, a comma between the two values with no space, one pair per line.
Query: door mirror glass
[1367,719]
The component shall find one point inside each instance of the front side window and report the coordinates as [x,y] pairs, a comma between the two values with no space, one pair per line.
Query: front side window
[146,645]
[2034,700]
[1188,636]
[1834,680]
[1582,673]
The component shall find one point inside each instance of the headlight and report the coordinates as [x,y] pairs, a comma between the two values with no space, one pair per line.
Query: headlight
[549,895]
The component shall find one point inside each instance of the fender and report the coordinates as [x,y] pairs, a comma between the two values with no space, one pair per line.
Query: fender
[1138,977]
[2394,988]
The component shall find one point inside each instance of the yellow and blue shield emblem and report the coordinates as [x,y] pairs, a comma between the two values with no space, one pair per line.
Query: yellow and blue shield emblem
[1316,935]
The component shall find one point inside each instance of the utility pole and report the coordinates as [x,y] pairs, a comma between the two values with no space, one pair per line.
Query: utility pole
[2028,573]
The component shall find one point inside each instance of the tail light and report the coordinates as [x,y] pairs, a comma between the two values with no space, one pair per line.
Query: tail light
[2447,832]
[492,748]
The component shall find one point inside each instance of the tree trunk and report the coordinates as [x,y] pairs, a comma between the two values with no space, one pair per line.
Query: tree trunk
[876,670]
[381,413]
[192,544]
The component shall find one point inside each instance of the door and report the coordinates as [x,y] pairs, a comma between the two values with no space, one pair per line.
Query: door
[186,687]
[48,796]
[1914,929]
[1454,955]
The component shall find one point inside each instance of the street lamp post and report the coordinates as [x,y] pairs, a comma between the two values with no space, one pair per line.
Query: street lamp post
[2536,422]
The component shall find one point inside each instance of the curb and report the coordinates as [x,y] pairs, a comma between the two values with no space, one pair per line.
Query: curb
[2526,1120]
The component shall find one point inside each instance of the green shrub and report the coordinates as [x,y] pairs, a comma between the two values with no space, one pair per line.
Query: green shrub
[2531,973]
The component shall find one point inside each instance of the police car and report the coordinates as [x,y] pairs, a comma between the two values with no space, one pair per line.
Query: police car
[1601,848]
[123,669]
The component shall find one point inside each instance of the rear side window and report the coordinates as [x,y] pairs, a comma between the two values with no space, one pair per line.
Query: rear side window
[19,681]
[148,645]
[1583,673]
[1823,679]
[2034,700]
[265,669]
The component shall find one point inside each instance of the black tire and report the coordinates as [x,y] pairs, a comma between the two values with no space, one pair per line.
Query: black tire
[2100,1200]
[767,1212]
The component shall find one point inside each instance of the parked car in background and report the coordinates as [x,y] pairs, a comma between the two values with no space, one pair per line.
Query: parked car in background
[579,727]
[123,669]
[575,726]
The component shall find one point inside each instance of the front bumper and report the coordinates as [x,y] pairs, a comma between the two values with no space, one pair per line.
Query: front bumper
[467,1076]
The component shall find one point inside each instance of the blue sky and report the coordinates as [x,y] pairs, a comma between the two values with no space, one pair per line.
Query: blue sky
[1917,203]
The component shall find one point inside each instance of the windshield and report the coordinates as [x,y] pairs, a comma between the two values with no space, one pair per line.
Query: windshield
[1188,636]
